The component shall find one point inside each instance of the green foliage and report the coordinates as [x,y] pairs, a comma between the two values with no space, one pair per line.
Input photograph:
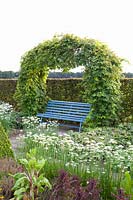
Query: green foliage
[31,90]
[102,85]
[31,181]
[127,100]
[102,75]
[127,184]
[5,146]
[65,89]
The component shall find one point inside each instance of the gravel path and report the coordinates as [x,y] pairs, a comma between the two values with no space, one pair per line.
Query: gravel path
[16,139]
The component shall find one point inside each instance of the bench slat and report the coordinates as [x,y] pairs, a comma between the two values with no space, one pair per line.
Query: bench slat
[68,108]
[62,114]
[69,104]
[62,117]
[66,114]
[54,110]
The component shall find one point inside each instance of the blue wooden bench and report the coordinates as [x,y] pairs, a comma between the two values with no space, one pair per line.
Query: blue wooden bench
[66,111]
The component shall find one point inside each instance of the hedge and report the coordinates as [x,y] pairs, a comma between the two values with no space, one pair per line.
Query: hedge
[70,89]
[7,90]
[127,99]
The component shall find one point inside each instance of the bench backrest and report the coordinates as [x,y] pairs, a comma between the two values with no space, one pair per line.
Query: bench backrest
[68,109]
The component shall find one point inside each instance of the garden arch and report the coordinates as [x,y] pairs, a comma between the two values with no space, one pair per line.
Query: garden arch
[101,75]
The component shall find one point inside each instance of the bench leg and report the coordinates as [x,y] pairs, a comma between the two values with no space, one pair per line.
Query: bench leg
[40,120]
[80,127]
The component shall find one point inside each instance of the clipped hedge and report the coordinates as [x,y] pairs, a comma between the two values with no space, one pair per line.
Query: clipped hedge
[127,99]
[5,145]
[70,89]
[7,90]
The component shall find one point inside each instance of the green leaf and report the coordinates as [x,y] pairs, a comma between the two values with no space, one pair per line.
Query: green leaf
[19,193]
[24,162]
[21,181]
[127,183]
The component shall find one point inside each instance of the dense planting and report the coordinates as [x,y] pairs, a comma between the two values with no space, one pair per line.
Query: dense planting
[96,164]
[103,154]
[113,145]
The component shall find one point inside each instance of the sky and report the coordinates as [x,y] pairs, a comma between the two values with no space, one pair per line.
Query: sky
[26,23]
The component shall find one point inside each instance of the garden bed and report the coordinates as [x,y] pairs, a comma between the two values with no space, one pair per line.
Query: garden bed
[97,161]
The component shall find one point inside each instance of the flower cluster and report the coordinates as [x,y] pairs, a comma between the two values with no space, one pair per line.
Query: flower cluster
[30,122]
[5,110]
[7,115]
[85,149]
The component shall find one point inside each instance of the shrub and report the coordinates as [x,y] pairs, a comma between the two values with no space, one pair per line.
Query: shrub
[5,145]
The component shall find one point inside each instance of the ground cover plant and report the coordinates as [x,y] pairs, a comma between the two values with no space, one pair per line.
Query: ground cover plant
[8,166]
[29,183]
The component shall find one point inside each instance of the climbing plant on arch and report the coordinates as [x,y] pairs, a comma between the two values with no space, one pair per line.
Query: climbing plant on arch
[101,75]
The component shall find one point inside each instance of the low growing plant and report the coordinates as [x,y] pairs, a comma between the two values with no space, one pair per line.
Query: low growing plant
[32,181]
[127,185]
[69,187]
[9,118]
[5,115]
[1,196]
[30,122]
[8,165]
[121,195]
